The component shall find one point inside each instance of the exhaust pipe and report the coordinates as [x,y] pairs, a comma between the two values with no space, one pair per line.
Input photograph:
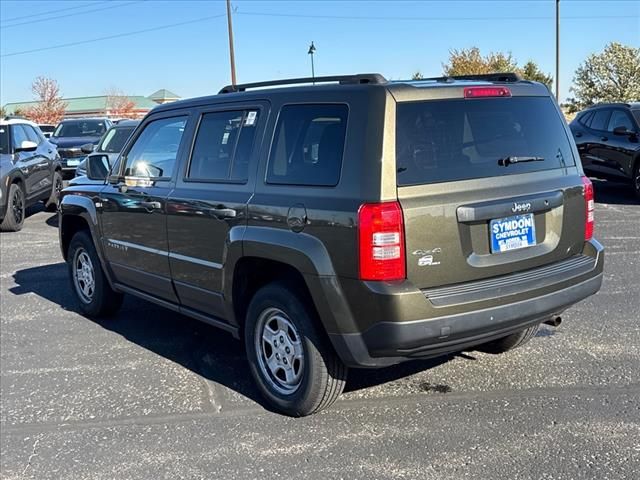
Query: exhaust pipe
[554,321]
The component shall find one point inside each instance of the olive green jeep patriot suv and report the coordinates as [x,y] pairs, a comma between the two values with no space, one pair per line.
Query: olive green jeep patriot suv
[355,222]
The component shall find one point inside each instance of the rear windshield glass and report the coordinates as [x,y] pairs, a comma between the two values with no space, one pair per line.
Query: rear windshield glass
[636,113]
[448,140]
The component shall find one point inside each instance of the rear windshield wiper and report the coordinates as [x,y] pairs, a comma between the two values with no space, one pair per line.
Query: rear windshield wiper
[506,161]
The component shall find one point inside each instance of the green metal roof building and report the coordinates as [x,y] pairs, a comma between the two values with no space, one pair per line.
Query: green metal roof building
[99,106]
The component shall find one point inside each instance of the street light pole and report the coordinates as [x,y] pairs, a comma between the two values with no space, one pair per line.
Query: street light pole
[312,50]
[232,56]
[558,51]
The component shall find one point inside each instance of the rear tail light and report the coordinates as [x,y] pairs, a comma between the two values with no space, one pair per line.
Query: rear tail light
[478,92]
[381,241]
[589,206]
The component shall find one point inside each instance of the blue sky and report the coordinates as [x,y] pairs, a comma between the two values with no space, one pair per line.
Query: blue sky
[394,38]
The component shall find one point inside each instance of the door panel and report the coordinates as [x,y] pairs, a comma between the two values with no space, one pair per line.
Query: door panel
[207,209]
[134,206]
[134,236]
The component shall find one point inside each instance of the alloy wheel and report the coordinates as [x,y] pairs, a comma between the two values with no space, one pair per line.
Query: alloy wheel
[83,275]
[17,206]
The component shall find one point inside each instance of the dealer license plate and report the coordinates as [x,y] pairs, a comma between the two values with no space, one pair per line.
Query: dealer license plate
[512,233]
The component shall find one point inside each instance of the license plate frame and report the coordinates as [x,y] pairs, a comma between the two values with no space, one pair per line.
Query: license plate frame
[512,233]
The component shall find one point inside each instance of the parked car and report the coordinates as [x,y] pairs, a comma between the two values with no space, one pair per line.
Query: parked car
[110,144]
[353,223]
[47,130]
[30,171]
[608,140]
[76,138]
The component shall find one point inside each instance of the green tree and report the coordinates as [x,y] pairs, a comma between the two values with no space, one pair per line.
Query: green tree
[417,75]
[3,112]
[610,76]
[531,71]
[470,61]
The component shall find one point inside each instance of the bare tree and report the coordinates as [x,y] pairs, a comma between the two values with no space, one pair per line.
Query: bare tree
[50,107]
[119,105]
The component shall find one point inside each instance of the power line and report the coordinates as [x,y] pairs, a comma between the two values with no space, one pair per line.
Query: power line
[69,14]
[422,19]
[57,10]
[109,37]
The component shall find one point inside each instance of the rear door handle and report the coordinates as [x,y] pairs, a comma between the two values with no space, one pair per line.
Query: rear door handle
[223,212]
[151,205]
[604,139]
[578,134]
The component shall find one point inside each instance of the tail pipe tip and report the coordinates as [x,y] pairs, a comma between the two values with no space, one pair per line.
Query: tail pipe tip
[554,321]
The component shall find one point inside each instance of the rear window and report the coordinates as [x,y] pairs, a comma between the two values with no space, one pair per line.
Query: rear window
[448,140]
[308,144]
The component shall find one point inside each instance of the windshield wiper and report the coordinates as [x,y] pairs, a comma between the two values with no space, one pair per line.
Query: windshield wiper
[506,161]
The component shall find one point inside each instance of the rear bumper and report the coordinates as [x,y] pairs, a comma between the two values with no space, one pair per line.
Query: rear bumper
[387,343]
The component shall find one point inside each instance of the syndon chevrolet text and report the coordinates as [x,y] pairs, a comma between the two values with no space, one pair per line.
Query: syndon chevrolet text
[356,222]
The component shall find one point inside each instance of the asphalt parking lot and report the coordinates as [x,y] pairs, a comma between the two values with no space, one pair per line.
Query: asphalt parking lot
[154,395]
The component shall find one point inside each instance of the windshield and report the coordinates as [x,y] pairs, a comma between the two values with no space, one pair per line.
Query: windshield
[114,140]
[80,128]
[636,114]
[449,140]
[4,140]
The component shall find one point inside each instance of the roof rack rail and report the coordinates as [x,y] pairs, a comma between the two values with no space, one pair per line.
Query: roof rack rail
[14,117]
[361,78]
[490,77]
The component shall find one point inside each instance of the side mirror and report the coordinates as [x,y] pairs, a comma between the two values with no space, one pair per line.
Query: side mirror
[27,146]
[97,167]
[622,131]
[87,148]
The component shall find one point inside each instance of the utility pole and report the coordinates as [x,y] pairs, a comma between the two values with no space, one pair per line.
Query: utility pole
[558,51]
[312,50]
[232,56]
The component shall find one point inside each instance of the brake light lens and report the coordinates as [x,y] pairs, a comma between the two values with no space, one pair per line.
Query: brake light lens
[479,92]
[589,205]
[381,241]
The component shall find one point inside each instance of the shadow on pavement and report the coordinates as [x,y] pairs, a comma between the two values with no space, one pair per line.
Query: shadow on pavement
[613,193]
[209,352]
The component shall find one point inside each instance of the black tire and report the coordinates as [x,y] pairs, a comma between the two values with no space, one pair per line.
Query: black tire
[16,209]
[509,342]
[51,204]
[322,373]
[102,301]
[635,180]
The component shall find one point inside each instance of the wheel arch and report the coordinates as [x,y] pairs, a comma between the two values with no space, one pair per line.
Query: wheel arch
[300,260]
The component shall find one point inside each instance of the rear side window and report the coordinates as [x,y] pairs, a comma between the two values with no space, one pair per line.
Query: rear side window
[619,118]
[586,118]
[448,140]
[223,146]
[600,120]
[308,145]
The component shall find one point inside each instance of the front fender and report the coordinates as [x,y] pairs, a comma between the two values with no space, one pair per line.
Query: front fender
[80,206]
